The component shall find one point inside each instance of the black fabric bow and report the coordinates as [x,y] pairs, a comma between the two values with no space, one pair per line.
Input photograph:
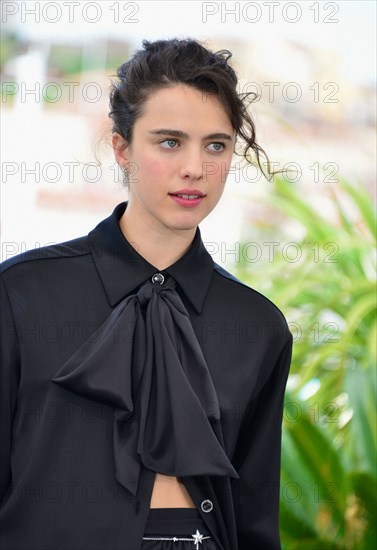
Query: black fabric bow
[148,364]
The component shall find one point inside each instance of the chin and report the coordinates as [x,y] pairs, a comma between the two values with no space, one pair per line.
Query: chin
[184,225]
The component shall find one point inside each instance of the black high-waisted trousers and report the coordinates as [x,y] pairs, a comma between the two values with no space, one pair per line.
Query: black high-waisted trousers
[177,529]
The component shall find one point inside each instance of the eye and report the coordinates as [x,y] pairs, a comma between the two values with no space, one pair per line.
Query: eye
[218,143]
[169,140]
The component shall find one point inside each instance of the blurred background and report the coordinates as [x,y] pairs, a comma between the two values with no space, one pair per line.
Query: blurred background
[305,240]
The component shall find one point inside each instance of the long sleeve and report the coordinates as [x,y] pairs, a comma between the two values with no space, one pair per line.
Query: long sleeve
[257,461]
[9,381]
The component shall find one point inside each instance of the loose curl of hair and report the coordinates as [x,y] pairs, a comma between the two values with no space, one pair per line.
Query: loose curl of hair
[166,63]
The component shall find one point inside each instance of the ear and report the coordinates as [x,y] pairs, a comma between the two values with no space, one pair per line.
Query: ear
[120,148]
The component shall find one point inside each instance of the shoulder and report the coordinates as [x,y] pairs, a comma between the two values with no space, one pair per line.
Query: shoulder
[52,256]
[249,300]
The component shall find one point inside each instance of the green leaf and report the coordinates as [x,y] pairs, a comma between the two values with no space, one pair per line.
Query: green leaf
[361,387]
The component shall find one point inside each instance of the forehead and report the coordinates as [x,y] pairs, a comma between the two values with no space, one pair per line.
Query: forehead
[187,106]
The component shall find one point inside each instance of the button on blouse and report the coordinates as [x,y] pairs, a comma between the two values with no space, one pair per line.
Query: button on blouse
[206,506]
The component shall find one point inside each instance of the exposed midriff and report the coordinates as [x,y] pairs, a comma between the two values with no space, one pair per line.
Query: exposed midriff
[170,492]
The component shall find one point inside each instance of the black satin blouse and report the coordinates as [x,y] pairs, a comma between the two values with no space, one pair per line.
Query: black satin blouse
[113,370]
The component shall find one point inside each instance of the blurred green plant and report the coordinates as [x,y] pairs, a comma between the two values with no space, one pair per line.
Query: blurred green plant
[328,478]
[10,46]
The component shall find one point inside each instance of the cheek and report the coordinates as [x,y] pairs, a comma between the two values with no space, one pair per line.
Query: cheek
[219,178]
[153,167]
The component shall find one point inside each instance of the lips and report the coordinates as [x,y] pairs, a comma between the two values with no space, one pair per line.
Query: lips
[184,196]
[185,201]
[189,194]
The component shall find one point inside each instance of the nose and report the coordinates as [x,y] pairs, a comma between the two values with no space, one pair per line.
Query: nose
[192,163]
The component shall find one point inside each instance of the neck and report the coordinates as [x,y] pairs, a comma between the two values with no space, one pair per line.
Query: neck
[160,245]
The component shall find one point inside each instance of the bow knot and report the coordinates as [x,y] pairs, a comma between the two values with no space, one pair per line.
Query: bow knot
[159,385]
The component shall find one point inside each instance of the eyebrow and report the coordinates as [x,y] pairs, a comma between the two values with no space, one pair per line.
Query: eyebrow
[180,134]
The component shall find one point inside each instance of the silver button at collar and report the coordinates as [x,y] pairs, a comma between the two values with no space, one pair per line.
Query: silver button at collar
[158,279]
[207,506]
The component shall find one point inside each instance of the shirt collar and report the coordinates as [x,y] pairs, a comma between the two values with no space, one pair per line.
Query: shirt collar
[122,269]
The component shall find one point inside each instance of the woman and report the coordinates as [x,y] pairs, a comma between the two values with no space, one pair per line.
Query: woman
[142,384]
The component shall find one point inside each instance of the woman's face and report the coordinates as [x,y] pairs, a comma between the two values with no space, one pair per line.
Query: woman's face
[184,140]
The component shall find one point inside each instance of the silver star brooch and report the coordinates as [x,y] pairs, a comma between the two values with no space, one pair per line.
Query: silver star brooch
[198,537]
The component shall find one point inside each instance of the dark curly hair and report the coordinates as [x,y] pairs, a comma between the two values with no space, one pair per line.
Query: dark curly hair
[166,63]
